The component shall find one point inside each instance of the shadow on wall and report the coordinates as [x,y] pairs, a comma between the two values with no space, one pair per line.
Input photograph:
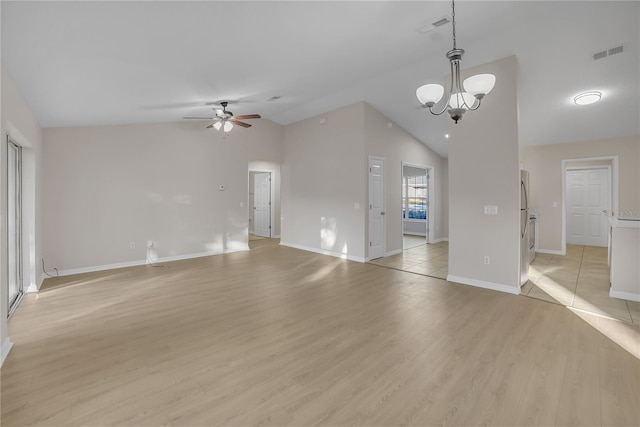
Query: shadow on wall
[329,237]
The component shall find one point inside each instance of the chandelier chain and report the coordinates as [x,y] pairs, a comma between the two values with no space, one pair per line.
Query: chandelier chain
[453,21]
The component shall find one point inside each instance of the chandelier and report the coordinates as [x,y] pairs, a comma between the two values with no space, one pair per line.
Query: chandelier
[475,87]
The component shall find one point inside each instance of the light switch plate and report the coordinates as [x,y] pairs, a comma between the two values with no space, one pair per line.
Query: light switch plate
[490,210]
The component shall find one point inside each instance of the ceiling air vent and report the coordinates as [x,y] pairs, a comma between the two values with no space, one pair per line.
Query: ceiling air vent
[439,23]
[600,55]
[608,52]
[614,50]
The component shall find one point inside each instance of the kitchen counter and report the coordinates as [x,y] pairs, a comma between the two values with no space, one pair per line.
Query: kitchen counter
[624,258]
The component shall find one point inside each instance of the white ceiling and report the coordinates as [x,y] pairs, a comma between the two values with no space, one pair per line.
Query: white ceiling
[101,63]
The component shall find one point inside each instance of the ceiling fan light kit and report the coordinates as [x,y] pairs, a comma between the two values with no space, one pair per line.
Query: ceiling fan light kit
[225,119]
[462,97]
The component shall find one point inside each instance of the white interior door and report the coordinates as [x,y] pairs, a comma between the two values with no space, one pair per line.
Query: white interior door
[588,194]
[262,204]
[376,208]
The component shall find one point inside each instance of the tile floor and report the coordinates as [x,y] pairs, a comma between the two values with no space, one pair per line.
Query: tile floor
[579,280]
[409,241]
[429,260]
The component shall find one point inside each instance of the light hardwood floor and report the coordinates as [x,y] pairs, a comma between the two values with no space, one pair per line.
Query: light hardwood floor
[278,336]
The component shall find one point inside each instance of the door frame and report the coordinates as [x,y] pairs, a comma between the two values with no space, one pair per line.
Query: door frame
[12,304]
[384,203]
[271,207]
[430,216]
[613,182]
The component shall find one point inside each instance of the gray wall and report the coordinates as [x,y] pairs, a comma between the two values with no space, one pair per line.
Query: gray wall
[484,170]
[107,186]
[544,162]
[396,146]
[323,183]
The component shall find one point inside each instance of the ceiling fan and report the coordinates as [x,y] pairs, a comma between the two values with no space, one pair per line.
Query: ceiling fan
[225,119]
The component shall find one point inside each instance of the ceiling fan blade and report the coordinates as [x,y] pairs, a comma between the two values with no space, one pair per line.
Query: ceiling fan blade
[247,116]
[210,126]
[244,125]
[197,118]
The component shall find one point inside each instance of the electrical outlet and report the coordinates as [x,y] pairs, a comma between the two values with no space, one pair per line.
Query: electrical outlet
[487,260]
[132,245]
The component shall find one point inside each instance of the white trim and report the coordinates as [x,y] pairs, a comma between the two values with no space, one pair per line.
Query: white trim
[410,233]
[624,295]
[144,262]
[392,253]
[551,252]
[6,348]
[614,189]
[486,285]
[324,252]
[36,287]
[384,203]
[440,239]
[277,236]
[431,196]
[272,205]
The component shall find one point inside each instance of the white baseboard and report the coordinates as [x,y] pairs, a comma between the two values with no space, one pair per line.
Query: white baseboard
[324,252]
[36,287]
[441,239]
[413,233]
[550,252]
[624,295]
[392,253]
[486,285]
[6,348]
[277,236]
[144,262]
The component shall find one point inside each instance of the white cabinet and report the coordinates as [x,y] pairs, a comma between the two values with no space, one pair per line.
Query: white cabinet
[624,255]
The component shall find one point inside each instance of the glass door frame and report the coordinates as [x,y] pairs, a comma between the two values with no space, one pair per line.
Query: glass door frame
[14,225]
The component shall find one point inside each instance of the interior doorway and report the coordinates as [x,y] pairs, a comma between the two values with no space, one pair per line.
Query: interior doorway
[588,192]
[260,204]
[598,218]
[377,223]
[416,212]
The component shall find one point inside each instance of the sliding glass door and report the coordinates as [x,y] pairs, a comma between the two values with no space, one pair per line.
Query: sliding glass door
[14,223]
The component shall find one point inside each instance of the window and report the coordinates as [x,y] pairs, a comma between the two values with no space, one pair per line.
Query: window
[414,197]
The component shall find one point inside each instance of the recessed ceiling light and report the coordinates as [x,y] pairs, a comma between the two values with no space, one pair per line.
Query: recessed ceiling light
[446,135]
[587,98]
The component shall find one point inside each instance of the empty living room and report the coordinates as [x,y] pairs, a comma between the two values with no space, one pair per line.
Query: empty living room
[296,213]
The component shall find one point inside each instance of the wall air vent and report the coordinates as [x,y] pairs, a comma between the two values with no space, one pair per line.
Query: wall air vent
[438,23]
[608,52]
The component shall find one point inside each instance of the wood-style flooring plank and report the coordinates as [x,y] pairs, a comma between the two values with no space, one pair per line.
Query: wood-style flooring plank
[279,336]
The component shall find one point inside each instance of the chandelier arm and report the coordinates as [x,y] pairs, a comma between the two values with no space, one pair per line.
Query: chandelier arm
[476,105]
[446,103]
[446,106]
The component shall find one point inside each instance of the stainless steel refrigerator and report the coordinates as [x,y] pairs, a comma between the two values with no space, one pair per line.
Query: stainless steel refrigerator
[524,227]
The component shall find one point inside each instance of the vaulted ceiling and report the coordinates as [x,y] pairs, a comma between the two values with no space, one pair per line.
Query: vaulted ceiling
[102,63]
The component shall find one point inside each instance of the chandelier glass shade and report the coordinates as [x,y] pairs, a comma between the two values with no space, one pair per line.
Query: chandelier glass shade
[462,97]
